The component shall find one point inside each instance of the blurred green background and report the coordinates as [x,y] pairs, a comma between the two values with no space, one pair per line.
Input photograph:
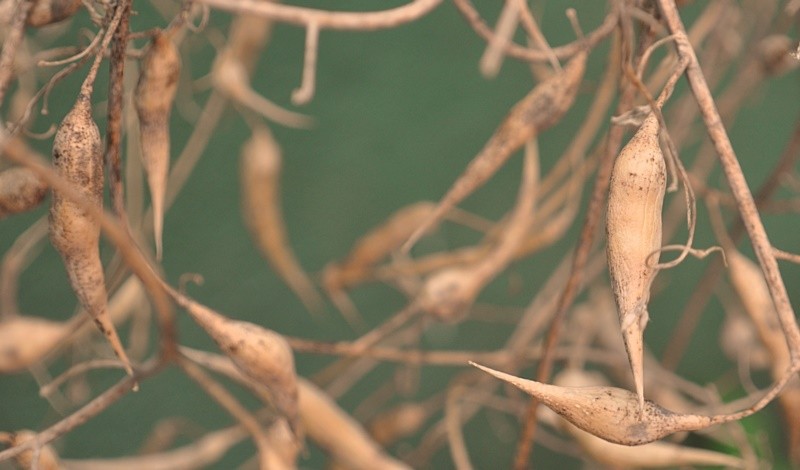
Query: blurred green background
[398,114]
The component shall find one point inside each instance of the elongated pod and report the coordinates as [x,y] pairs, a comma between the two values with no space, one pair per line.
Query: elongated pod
[78,157]
[539,110]
[612,413]
[153,98]
[633,228]
[26,340]
[259,353]
[261,203]
[657,454]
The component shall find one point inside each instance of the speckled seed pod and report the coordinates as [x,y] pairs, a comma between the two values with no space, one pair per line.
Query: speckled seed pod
[652,455]
[539,110]
[20,191]
[610,413]
[261,354]
[154,95]
[78,158]
[633,228]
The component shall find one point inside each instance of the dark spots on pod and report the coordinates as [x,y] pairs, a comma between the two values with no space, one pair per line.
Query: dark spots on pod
[101,327]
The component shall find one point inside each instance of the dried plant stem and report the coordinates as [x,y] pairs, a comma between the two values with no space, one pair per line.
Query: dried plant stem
[18,256]
[87,412]
[11,41]
[304,94]
[116,100]
[702,293]
[201,453]
[433,357]
[492,57]
[458,447]
[76,370]
[467,9]
[267,459]
[329,19]
[736,180]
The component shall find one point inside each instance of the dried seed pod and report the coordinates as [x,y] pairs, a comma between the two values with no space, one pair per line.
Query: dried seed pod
[448,294]
[26,340]
[775,52]
[78,157]
[633,229]
[20,191]
[399,422]
[48,458]
[155,92]
[339,434]
[376,245]
[539,110]
[611,413]
[261,201]
[261,354]
[652,455]
[45,12]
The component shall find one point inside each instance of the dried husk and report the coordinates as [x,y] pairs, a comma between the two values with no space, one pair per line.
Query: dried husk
[633,228]
[610,413]
[78,157]
[261,354]
[26,340]
[652,455]
[260,172]
[539,110]
[153,98]
[21,190]
[46,12]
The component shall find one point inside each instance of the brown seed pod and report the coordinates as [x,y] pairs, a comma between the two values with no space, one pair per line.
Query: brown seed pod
[633,228]
[25,340]
[48,458]
[154,95]
[539,110]
[775,52]
[376,245]
[611,413]
[260,175]
[339,434]
[448,294]
[399,422]
[261,354]
[20,191]
[45,12]
[652,455]
[78,157]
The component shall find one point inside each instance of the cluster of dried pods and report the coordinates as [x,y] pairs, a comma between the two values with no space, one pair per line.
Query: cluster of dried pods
[609,425]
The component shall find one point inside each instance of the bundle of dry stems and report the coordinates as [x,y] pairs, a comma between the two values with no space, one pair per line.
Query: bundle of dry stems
[640,421]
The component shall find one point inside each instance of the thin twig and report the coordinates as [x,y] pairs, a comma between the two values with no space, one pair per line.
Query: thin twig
[324,19]
[87,412]
[304,94]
